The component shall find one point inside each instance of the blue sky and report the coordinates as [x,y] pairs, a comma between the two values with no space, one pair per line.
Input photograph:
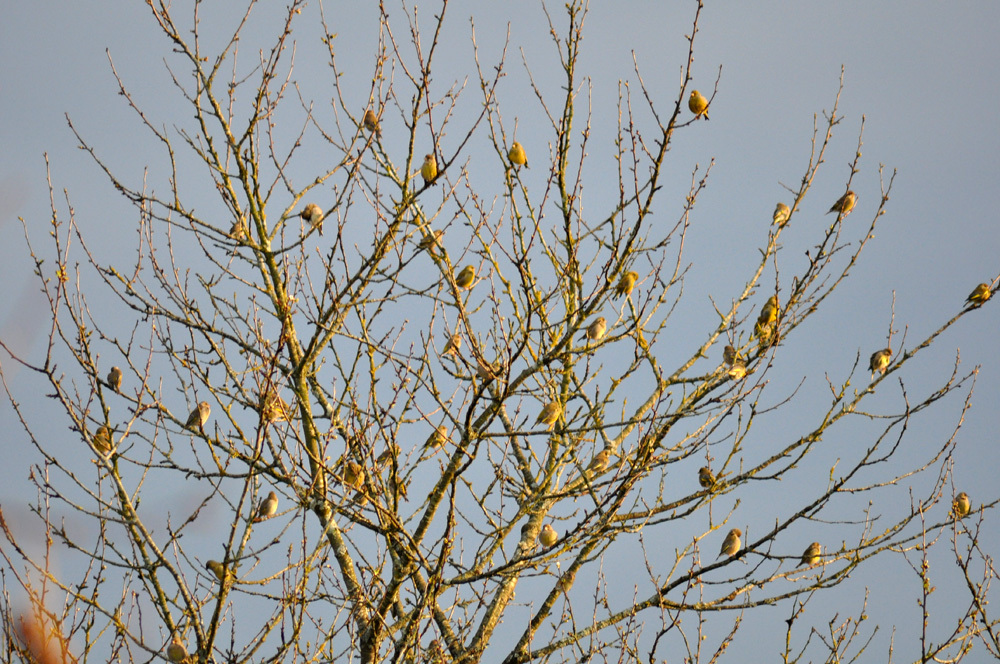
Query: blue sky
[923,74]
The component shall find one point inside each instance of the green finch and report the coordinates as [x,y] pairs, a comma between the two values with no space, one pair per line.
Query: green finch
[976,298]
[115,378]
[626,284]
[371,123]
[353,474]
[437,438]
[517,155]
[705,477]
[738,371]
[731,545]
[549,415]
[548,536]
[199,416]
[276,409]
[267,508]
[698,104]
[176,652]
[219,570]
[844,204]
[769,313]
[487,371]
[431,241]
[599,463]
[596,330]
[466,277]
[237,231]
[781,214]
[314,215]
[429,169]
[879,361]
[454,345]
[811,555]
[729,355]
[102,440]
[961,506]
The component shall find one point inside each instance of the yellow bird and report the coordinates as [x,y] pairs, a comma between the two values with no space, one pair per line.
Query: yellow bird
[550,414]
[237,231]
[811,555]
[961,506]
[466,277]
[705,477]
[371,123]
[548,536]
[486,371]
[102,440]
[268,507]
[176,652]
[429,170]
[276,409]
[698,104]
[781,214]
[437,438]
[879,361]
[844,204]
[454,345]
[219,570]
[314,215]
[626,284]
[431,241]
[599,463]
[353,474]
[976,298]
[596,330]
[199,416]
[738,371]
[731,545]
[729,355]
[517,155]
[115,378]
[769,313]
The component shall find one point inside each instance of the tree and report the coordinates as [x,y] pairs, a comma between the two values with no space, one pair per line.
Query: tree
[458,383]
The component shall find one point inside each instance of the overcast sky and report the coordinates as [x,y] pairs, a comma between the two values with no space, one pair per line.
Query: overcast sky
[923,74]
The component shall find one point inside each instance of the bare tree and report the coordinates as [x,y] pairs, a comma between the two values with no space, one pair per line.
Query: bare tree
[423,376]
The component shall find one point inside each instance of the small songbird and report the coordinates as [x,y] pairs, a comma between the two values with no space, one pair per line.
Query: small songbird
[844,204]
[466,277]
[176,652]
[102,440]
[371,122]
[431,241]
[237,231]
[781,214]
[626,284]
[879,361]
[596,330]
[729,355]
[454,345]
[219,570]
[599,463]
[811,555]
[738,371]
[698,104]
[731,545]
[437,438]
[199,416]
[550,414]
[429,170]
[276,409]
[314,215]
[769,313]
[486,371]
[705,477]
[548,536]
[961,506]
[353,474]
[976,298]
[517,155]
[115,378]
[267,508]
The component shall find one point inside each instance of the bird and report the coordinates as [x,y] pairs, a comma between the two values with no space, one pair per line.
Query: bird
[738,371]
[314,215]
[548,536]
[199,416]
[431,241]
[517,155]
[729,355]
[176,652]
[237,231]
[781,214]
[599,463]
[811,555]
[437,438]
[976,298]
[353,474]
[626,283]
[705,477]
[371,123]
[596,330]
[102,440]
[390,452]
[276,409]
[267,508]
[844,204]
[698,104]
[465,278]
[769,313]
[550,414]
[879,361]
[961,506]
[115,378]
[454,345]
[731,545]
[219,570]
[429,169]
[486,371]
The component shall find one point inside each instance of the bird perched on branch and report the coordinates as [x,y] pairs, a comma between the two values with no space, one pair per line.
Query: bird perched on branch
[731,545]
[961,506]
[811,555]
[115,378]
[429,169]
[437,438]
[550,414]
[705,477]
[844,204]
[220,571]
[268,507]
[879,361]
[596,330]
[976,298]
[626,283]
[698,104]
[454,345]
[548,536]
[517,155]
[102,440]
[176,652]
[314,215]
[371,123]
[599,463]
[781,214]
[466,277]
[199,416]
